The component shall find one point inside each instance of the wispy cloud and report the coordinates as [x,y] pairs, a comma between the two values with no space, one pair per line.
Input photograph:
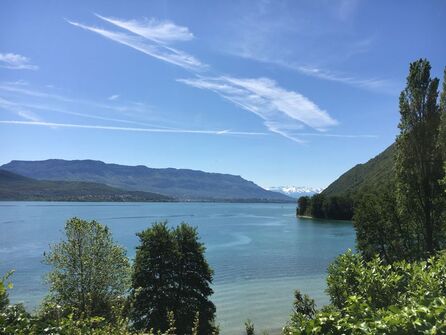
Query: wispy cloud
[376,84]
[153,29]
[18,110]
[284,112]
[23,109]
[16,62]
[23,89]
[323,47]
[113,97]
[339,135]
[130,129]
[30,104]
[148,47]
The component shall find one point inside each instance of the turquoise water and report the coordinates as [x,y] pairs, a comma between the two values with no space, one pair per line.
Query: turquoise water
[260,252]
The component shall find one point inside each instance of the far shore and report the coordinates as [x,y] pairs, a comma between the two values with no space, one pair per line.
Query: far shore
[313,218]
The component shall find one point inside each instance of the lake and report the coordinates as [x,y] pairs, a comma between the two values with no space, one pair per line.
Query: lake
[260,253]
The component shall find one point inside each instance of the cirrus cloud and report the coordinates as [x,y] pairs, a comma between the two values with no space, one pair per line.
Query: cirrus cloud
[284,112]
[16,62]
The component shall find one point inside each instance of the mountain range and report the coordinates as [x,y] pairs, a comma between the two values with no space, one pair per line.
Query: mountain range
[296,191]
[180,184]
[17,187]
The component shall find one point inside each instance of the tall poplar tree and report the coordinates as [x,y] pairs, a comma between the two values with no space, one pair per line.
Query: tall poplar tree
[442,139]
[419,163]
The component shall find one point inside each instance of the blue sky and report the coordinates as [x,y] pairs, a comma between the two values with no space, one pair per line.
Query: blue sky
[279,92]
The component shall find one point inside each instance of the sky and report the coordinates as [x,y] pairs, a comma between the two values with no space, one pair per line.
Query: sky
[279,92]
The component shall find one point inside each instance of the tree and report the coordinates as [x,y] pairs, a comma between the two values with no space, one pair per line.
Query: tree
[90,272]
[194,277]
[419,163]
[380,229]
[171,274]
[442,137]
[317,202]
[408,221]
[302,205]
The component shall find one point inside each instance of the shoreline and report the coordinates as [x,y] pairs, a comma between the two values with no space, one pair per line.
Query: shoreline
[307,217]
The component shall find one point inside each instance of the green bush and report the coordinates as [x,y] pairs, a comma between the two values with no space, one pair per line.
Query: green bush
[377,298]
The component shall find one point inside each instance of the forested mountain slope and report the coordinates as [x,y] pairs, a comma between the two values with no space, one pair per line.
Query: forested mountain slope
[17,187]
[376,173]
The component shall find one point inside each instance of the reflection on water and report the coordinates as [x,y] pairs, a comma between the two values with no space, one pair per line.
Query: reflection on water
[260,252]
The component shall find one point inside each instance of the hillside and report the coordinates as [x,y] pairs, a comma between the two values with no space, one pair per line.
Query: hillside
[17,187]
[181,184]
[375,173]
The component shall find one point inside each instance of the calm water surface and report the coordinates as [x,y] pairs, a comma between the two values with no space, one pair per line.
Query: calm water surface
[260,252]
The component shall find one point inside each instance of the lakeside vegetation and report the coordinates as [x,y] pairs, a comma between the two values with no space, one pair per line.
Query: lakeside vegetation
[93,289]
[395,284]
[339,199]
[321,207]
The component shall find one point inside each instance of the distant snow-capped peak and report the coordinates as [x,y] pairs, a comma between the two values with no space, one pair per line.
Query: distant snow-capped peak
[296,190]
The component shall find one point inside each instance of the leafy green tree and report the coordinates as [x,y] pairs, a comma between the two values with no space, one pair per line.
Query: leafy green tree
[380,229]
[317,206]
[303,205]
[153,276]
[419,163]
[442,138]
[90,272]
[193,278]
[338,208]
[171,274]
[408,221]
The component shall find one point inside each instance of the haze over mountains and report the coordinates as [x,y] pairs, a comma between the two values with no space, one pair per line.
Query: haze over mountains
[181,184]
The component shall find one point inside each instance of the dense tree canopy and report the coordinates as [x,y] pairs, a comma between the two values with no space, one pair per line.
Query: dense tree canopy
[320,206]
[171,275]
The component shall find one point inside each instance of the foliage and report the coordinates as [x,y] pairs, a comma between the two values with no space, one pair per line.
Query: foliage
[171,274]
[4,286]
[90,272]
[419,164]
[442,136]
[322,207]
[407,221]
[377,298]
[303,307]
[14,320]
[249,327]
[303,205]
[380,228]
